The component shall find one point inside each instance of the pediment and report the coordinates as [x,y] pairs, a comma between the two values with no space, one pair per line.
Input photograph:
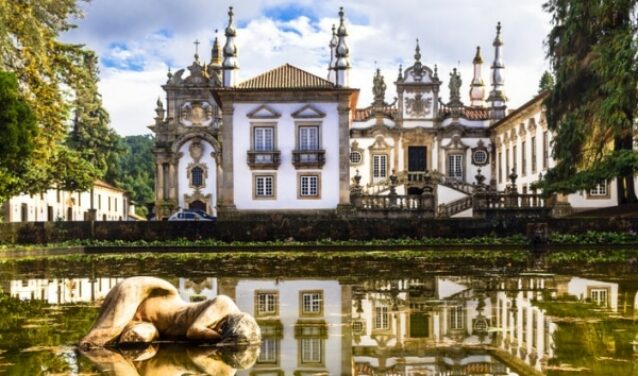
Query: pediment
[263,112]
[308,112]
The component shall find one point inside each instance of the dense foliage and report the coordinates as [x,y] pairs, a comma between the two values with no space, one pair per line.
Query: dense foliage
[18,131]
[135,170]
[546,83]
[592,107]
[54,78]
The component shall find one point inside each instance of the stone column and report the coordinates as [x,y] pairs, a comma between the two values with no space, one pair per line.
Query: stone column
[344,149]
[227,193]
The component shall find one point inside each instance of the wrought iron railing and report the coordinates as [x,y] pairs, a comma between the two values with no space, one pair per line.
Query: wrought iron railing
[308,158]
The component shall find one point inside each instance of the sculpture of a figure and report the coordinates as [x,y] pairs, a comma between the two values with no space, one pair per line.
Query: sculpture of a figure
[145,309]
[378,87]
[455,86]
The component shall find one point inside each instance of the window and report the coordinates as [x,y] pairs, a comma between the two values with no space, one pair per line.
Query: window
[479,157]
[109,201]
[533,146]
[507,162]
[515,158]
[355,157]
[379,166]
[57,195]
[311,303]
[598,297]
[381,319]
[263,139]
[545,151]
[264,186]
[309,186]
[269,351]
[600,190]
[457,317]
[309,138]
[197,177]
[523,158]
[500,167]
[115,199]
[266,303]
[455,166]
[99,201]
[358,327]
[79,198]
[311,350]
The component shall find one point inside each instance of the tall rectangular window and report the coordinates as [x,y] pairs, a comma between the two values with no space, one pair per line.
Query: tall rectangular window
[309,186]
[309,138]
[523,158]
[457,317]
[455,166]
[263,139]
[379,166]
[507,162]
[534,154]
[545,151]
[500,167]
[381,319]
[264,186]
[311,350]
[269,351]
[515,158]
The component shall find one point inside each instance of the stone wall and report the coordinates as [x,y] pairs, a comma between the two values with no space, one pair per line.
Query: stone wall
[280,227]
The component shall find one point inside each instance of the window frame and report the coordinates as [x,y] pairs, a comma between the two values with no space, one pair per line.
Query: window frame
[275,303]
[272,176]
[461,165]
[302,303]
[373,166]
[300,190]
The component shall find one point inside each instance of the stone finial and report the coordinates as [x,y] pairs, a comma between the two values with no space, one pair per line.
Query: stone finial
[417,51]
[455,87]
[216,52]
[342,53]
[497,97]
[400,76]
[477,87]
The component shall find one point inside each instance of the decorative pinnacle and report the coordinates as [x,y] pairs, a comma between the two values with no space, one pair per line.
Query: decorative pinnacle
[169,74]
[498,41]
[477,58]
[400,77]
[417,53]
[159,103]
[436,71]
[196,43]
[230,30]
[341,31]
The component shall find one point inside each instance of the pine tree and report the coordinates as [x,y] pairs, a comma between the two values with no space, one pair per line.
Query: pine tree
[546,83]
[592,107]
[90,134]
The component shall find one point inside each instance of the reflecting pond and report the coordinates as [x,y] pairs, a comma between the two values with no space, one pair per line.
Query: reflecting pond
[322,316]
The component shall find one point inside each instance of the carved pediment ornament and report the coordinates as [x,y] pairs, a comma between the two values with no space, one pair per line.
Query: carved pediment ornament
[521,129]
[379,144]
[196,113]
[531,126]
[456,144]
[263,112]
[308,112]
[418,106]
[196,150]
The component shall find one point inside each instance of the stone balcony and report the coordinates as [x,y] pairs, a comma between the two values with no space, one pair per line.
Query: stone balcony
[264,160]
[308,158]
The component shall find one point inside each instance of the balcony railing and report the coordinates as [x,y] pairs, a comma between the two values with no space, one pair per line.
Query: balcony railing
[308,158]
[264,160]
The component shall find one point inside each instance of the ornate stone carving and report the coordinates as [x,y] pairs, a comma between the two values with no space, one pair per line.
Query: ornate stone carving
[378,87]
[418,106]
[196,113]
[196,150]
[455,87]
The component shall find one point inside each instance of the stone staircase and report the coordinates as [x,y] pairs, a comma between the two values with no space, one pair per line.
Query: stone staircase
[454,207]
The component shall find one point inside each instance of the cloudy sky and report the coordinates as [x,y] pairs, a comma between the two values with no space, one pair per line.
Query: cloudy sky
[138,40]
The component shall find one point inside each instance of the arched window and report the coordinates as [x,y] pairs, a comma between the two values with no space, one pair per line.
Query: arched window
[197,177]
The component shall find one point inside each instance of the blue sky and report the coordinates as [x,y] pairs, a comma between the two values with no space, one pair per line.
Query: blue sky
[137,41]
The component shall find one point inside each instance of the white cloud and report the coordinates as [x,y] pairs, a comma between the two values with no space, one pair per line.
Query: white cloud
[157,33]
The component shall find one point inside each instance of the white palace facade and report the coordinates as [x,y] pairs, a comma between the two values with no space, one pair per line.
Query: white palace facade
[290,141]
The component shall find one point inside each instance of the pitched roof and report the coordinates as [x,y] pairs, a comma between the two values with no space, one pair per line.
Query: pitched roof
[539,97]
[286,77]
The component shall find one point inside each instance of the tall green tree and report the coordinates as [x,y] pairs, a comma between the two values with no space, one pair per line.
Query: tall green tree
[546,83]
[90,134]
[18,131]
[594,55]
[50,74]
[137,170]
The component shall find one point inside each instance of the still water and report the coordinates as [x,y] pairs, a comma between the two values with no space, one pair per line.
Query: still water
[318,318]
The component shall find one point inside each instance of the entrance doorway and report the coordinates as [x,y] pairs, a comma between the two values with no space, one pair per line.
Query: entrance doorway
[417,159]
[197,205]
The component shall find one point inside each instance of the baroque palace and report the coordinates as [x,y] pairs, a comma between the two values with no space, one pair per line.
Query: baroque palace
[290,141]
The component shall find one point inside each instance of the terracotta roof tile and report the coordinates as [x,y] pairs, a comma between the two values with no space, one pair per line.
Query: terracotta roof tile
[286,77]
[363,114]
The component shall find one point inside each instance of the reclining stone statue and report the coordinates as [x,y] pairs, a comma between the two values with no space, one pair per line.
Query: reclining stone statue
[145,309]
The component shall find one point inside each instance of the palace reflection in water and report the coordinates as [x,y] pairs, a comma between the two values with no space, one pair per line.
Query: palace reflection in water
[435,325]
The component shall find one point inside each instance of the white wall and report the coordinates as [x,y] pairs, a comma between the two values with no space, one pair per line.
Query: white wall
[286,174]
[183,182]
